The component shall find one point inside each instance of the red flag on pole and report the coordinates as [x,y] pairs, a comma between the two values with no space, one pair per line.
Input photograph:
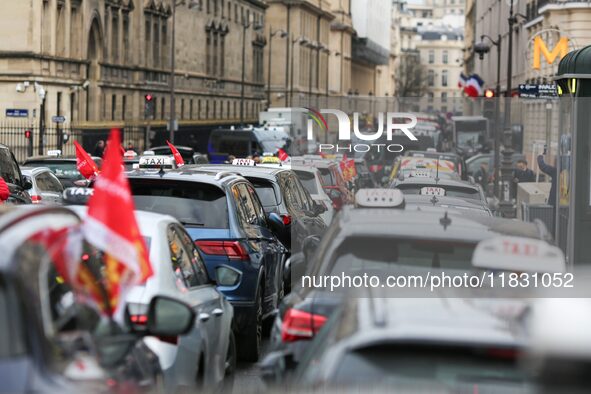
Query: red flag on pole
[84,163]
[111,227]
[282,155]
[177,156]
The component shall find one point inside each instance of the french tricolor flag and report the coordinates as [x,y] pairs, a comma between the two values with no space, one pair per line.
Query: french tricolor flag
[474,86]
[462,81]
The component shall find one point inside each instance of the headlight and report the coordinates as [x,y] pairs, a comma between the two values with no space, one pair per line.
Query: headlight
[227,276]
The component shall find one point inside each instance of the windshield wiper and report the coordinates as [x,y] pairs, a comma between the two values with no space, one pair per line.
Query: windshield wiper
[190,223]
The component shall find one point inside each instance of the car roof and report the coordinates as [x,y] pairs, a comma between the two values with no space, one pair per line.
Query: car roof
[260,171]
[432,181]
[430,154]
[50,158]
[148,222]
[168,147]
[452,321]
[449,225]
[187,173]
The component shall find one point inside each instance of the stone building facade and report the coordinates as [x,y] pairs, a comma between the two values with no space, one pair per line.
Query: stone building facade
[96,60]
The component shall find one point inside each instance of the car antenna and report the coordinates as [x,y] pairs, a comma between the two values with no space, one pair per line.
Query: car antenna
[445,221]
[161,172]
[437,171]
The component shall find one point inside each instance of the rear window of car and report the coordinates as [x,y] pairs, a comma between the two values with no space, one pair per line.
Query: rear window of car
[192,203]
[454,369]
[450,191]
[308,179]
[326,175]
[265,191]
[65,170]
[366,254]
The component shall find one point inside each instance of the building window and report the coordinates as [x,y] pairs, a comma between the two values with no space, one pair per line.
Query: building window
[431,78]
[191,109]
[148,39]
[162,106]
[445,58]
[115,39]
[126,49]
[164,39]
[208,52]
[444,97]
[75,28]
[156,44]
[113,106]
[123,107]
[229,11]
[431,56]
[444,78]
[199,109]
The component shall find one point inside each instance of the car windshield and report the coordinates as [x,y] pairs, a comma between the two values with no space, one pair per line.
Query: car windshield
[186,154]
[308,179]
[192,203]
[450,191]
[368,254]
[433,368]
[326,175]
[265,191]
[468,139]
[65,170]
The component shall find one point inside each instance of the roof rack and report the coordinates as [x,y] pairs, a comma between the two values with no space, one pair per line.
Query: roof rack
[223,174]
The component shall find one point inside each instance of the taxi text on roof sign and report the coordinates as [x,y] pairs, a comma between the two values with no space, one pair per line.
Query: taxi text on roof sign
[156,162]
[55,152]
[518,254]
[379,198]
[243,162]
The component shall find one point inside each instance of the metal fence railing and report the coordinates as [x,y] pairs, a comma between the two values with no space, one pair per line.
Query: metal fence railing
[26,140]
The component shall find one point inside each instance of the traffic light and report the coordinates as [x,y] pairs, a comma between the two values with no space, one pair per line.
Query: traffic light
[148,106]
[489,93]
[28,134]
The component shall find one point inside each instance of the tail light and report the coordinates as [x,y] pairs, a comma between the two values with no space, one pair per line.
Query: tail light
[36,199]
[375,167]
[139,319]
[298,325]
[234,250]
[286,219]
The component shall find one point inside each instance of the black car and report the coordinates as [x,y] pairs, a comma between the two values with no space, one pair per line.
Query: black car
[223,215]
[281,191]
[64,167]
[188,154]
[11,173]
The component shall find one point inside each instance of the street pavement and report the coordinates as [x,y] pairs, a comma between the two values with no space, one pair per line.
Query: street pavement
[248,380]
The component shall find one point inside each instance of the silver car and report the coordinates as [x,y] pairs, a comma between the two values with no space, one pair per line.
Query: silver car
[47,189]
[312,181]
[206,356]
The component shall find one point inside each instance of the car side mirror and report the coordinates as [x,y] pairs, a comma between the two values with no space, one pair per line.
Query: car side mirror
[319,208]
[276,222]
[309,246]
[26,184]
[169,317]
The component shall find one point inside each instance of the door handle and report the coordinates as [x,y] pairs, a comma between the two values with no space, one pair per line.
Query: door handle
[204,317]
[217,312]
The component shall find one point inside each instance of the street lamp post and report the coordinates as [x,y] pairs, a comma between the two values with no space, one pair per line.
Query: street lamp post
[302,40]
[282,34]
[497,142]
[245,27]
[505,204]
[173,122]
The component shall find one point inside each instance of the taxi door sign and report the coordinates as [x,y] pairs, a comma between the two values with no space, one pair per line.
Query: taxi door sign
[155,162]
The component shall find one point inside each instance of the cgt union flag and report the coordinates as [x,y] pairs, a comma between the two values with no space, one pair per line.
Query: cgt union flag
[177,155]
[348,169]
[84,163]
[111,227]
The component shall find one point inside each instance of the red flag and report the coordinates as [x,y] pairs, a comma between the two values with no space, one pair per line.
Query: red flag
[177,156]
[111,227]
[84,163]
[282,155]
[348,169]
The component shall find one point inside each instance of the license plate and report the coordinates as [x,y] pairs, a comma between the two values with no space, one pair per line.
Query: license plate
[432,191]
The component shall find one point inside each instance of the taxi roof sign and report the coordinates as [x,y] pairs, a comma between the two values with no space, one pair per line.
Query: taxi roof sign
[156,162]
[77,195]
[379,198]
[518,254]
[54,152]
[244,162]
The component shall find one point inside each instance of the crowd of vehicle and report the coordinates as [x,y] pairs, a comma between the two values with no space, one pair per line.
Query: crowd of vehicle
[231,237]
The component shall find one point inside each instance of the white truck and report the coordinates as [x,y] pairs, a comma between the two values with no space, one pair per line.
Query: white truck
[293,122]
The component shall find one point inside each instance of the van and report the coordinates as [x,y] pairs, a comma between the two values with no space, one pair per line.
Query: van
[245,141]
